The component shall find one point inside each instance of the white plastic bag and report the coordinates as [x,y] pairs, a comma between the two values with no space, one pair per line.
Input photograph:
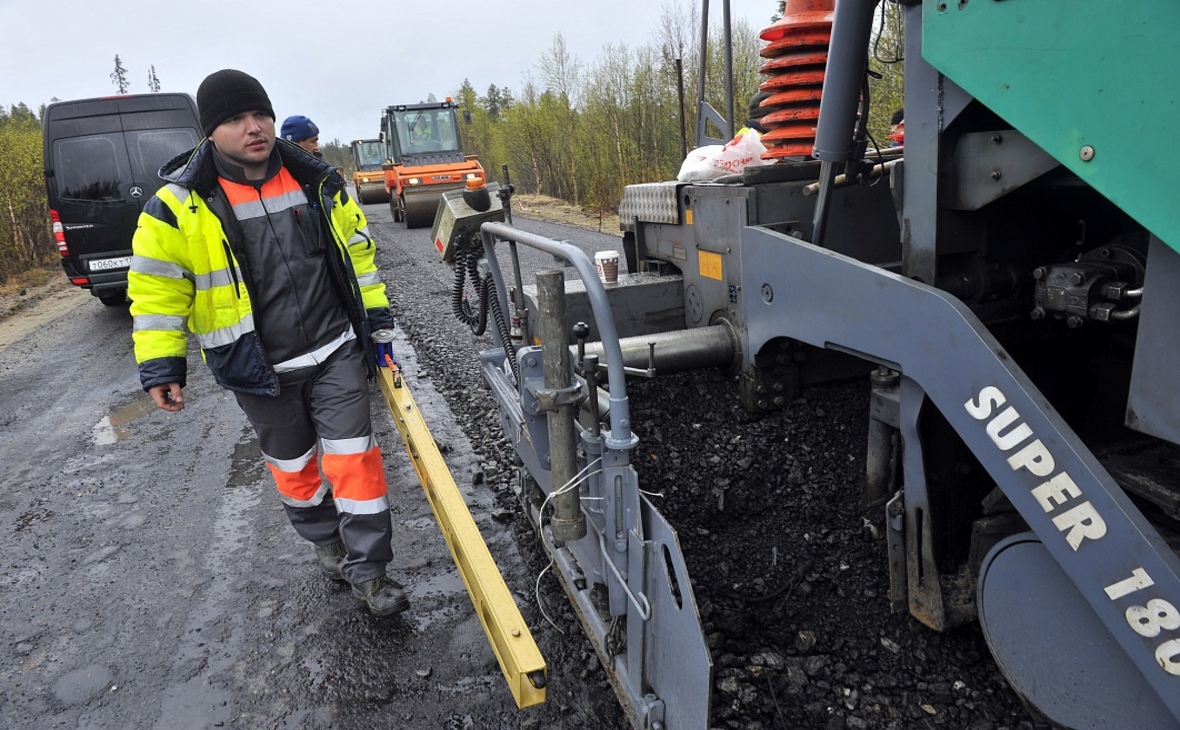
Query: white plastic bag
[713,161]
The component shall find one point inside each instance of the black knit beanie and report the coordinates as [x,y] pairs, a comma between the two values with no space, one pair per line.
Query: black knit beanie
[227,93]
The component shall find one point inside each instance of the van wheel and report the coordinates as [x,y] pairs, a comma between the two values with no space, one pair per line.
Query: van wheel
[113,300]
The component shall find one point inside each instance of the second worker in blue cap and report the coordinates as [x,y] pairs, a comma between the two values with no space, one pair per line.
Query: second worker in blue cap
[303,132]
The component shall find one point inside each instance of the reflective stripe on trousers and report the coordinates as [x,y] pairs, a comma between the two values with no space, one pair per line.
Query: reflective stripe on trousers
[327,406]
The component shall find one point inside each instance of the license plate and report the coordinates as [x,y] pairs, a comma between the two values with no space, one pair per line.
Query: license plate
[120,262]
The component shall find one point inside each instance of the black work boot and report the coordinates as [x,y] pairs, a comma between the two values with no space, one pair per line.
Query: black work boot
[383,594]
[330,557]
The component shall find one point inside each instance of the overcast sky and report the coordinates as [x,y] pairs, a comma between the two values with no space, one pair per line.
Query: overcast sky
[338,62]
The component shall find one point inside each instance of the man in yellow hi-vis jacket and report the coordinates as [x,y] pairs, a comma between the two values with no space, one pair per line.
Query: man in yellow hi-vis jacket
[255,248]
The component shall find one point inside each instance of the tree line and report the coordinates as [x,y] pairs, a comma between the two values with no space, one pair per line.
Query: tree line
[26,240]
[123,85]
[574,130]
[582,132]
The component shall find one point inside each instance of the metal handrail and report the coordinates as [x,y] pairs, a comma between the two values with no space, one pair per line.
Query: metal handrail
[620,436]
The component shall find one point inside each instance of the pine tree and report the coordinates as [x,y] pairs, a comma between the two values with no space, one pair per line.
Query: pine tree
[495,101]
[153,80]
[119,76]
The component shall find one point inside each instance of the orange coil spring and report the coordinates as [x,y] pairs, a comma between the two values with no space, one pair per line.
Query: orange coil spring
[797,57]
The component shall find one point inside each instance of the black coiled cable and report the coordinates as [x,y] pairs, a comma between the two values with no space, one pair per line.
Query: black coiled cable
[505,336]
[467,265]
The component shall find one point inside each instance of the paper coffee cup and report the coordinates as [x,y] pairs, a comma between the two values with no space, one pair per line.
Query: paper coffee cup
[607,263]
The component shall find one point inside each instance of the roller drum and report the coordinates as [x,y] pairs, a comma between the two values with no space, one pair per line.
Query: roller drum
[420,208]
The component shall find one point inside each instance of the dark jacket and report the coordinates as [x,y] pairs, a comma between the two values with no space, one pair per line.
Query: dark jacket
[192,271]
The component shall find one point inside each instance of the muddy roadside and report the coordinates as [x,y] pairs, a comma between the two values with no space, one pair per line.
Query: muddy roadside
[554,210]
[33,298]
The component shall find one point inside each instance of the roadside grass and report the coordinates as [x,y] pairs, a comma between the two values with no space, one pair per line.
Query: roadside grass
[555,210]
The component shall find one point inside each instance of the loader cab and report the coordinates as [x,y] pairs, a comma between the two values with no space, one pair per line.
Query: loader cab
[417,134]
[102,157]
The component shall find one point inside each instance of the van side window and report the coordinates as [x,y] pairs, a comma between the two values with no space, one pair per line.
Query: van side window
[88,169]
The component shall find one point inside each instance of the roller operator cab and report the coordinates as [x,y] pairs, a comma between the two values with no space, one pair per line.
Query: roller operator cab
[101,158]
[424,159]
[368,155]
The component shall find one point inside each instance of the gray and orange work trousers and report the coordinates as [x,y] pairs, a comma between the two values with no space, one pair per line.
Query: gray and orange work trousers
[327,405]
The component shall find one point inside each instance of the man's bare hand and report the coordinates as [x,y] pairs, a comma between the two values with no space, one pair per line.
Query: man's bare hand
[167,396]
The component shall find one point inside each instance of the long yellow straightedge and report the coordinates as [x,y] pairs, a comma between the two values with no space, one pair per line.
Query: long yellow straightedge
[512,642]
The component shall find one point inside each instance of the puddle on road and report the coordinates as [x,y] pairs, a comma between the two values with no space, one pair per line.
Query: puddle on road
[420,523]
[436,595]
[116,426]
[247,469]
[423,620]
[444,584]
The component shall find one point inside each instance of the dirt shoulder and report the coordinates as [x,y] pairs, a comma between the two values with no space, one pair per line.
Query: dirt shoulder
[554,210]
[37,296]
[25,289]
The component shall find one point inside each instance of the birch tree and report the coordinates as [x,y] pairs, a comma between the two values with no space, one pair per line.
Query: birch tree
[562,76]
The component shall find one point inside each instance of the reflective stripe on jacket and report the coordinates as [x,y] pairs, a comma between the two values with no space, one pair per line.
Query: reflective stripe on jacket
[189,271]
[297,315]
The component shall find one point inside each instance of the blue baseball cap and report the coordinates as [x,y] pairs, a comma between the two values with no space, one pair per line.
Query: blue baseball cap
[298,128]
